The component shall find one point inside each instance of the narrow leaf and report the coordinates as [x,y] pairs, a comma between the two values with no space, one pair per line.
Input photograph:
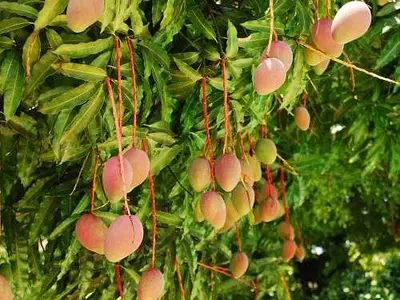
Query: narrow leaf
[19,9]
[232,46]
[50,10]
[12,24]
[81,71]
[187,70]
[84,49]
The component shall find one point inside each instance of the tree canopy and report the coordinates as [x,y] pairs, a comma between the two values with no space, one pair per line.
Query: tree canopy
[57,127]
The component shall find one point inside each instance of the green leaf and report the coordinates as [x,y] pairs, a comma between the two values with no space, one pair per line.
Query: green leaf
[390,52]
[163,158]
[102,60]
[63,226]
[12,24]
[51,94]
[24,125]
[121,13]
[263,25]
[50,10]
[72,251]
[232,46]
[6,42]
[31,51]
[187,70]
[19,9]
[108,14]
[40,71]
[168,14]
[86,114]
[27,161]
[81,71]
[388,9]
[14,91]
[55,40]
[156,52]
[168,219]
[202,24]
[84,49]
[188,57]
[46,206]
[69,99]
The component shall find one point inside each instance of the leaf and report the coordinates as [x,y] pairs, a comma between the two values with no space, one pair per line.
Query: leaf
[24,125]
[168,219]
[211,53]
[50,10]
[51,94]
[41,216]
[12,24]
[69,99]
[202,24]
[84,49]
[188,57]
[6,42]
[19,9]
[31,51]
[40,71]
[14,89]
[108,14]
[72,251]
[263,25]
[168,14]
[27,161]
[388,9]
[164,158]
[232,45]
[390,52]
[81,71]
[102,60]
[187,70]
[7,70]
[86,114]
[156,52]
[55,40]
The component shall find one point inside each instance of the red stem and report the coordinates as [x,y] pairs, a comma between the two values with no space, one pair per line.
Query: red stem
[226,107]
[118,130]
[269,179]
[239,244]
[119,77]
[282,171]
[178,272]
[153,212]
[250,142]
[305,98]
[134,89]
[241,146]
[119,283]
[94,184]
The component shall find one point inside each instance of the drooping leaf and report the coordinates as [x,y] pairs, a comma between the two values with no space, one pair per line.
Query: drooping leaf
[19,9]
[232,45]
[390,52]
[50,10]
[84,49]
[14,89]
[202,24]
[12,24]
[81,71]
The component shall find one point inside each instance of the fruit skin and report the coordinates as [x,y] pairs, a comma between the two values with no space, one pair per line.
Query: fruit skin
[213,208]
[283,52]
[322,38]
[112,181]
[321,67]
[5,289]
[231,213]
[228,172]
[239,264]
[91,233]
[82,14]
[255,166]
[269,76]
[140,164]
[151,285]
[285,231]
[351,22]
[300,252]
[200,174]
[247,172]
[313,58]
[266,151]
[269,191]
[302,118]
[123,237]
[257,215]
[269,209]
[243,199]
[198,215]
[288,250]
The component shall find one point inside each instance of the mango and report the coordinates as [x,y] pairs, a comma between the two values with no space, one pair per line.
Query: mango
[269,209]
[243,198]
[247,172]
[228,172]
[198,215]
[112,180]
[283,52]
[213,208]
[257,215]
[239,264]
[200,174]
[300,252]
[302,118]
[322,38]
[231,213]
[270,75]
[269,191]
[140,164]
[5,289]
[151,285]
[123,237]
[311,57]
[351,22]
[285,231]
[91,233]
[82,14]
[321,67]
[266,151]
[255,166]
[288,250]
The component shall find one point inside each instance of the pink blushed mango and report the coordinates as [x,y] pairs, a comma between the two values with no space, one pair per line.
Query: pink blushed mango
[5,289]
[286,231]
[288,250]
[213,208]
[243,198]
[247,172]
[321,67]
[83,13]
[151,285]
[302,118]
[322,38]
[200,174]
[91,232]
[269,191]
[239,264]
[269,209]
[228,172]
[351,22]
[270,75]
[140,163]
[123,237]
[283,52]
[112,180]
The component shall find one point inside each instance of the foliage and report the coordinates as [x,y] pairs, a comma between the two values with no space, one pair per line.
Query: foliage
[55,117]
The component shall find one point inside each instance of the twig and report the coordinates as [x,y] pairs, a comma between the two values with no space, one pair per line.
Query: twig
[287,165]
[283,187]
[134,89]
[153,212]
[352,78]
[79,174]
[119,77]
[265,53]
[348,65]
[178,272]
[94,183]
[119,283]
[239,244]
